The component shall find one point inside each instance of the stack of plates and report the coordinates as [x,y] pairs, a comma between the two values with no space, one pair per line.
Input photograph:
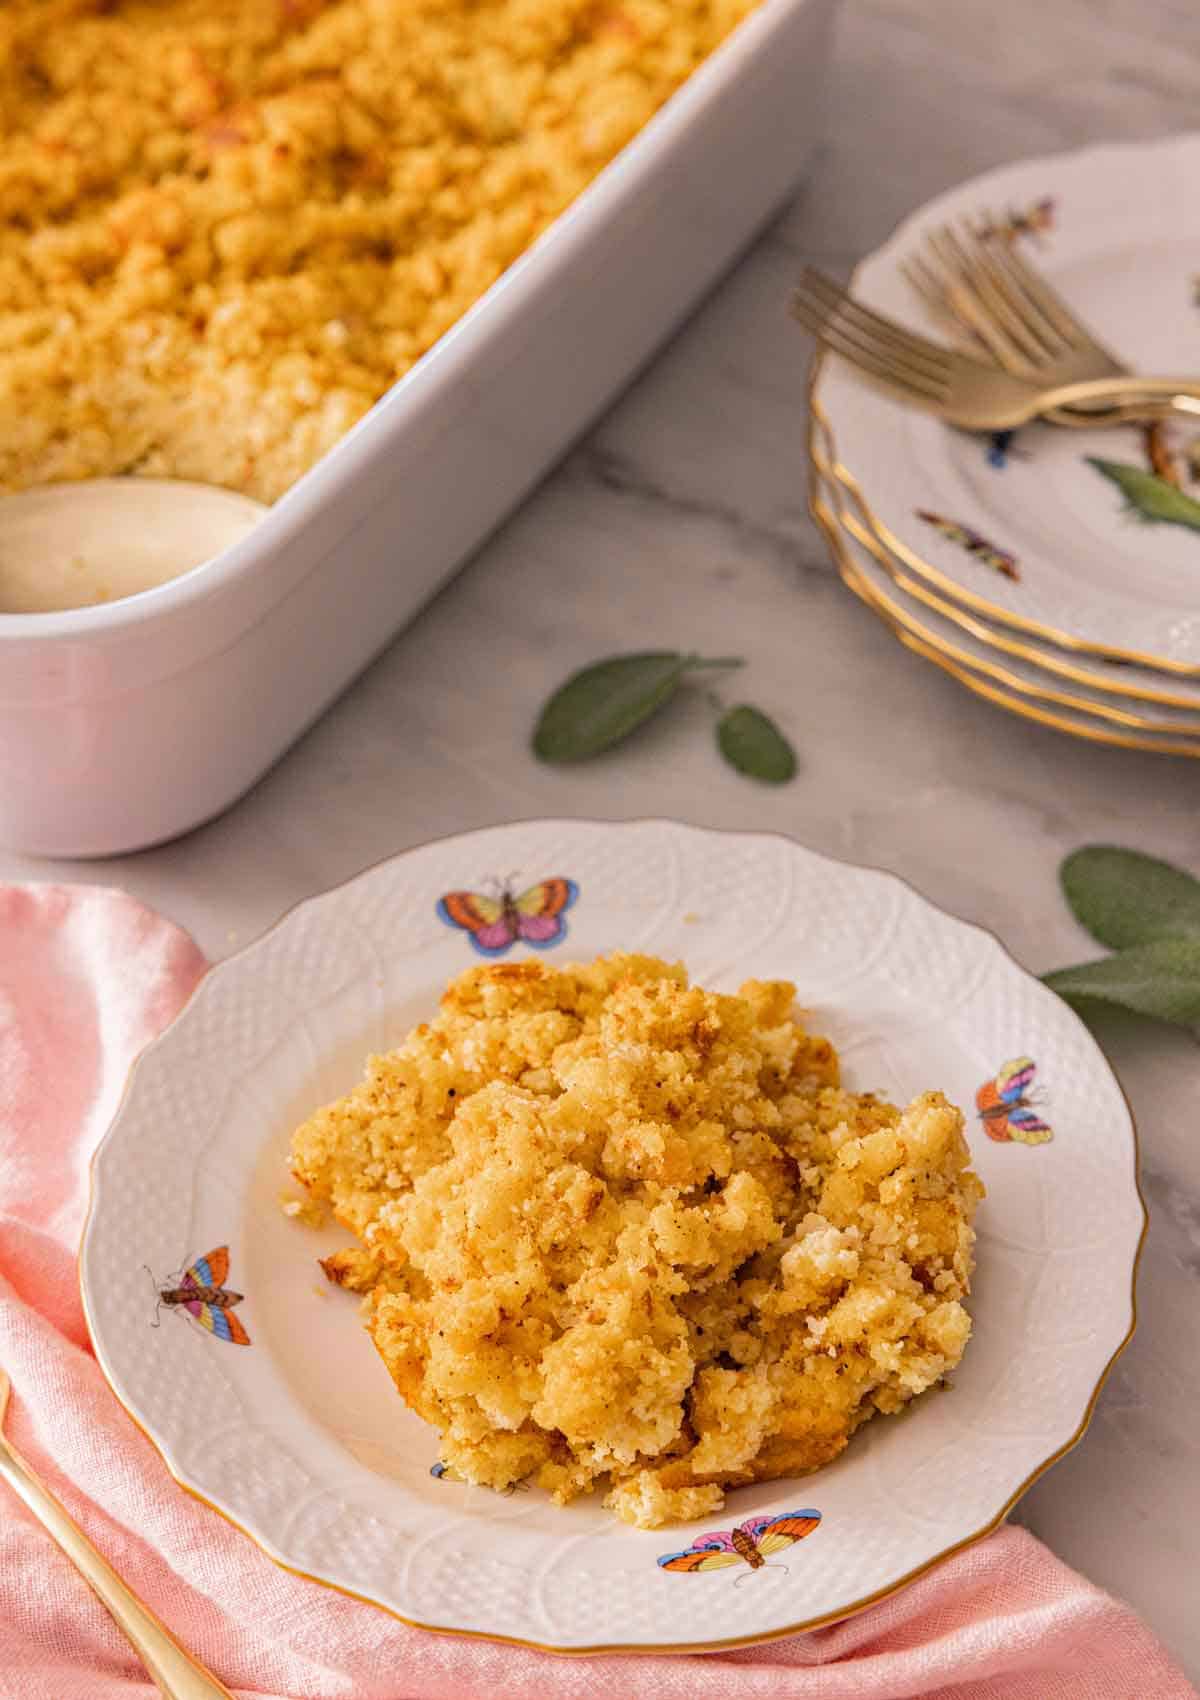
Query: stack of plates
[1014,563]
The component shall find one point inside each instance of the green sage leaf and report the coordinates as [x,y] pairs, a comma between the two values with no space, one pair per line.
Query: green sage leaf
[752,743]
[1160,979]
[1148,496]
[602,704]
[1124,898]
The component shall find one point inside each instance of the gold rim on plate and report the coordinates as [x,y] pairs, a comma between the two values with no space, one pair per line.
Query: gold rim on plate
[818,419]
[1181,742]
[1047,661]
[964,670]
[734,1642]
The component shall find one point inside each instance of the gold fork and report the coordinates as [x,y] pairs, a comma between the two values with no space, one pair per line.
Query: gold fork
[176,1673]
[989,289]
[969,392]
[984,286]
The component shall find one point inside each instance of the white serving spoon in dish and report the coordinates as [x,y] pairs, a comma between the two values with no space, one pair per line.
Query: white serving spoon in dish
[73,545]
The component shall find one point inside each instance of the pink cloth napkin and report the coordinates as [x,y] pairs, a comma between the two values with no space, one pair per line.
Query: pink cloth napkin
[87,976]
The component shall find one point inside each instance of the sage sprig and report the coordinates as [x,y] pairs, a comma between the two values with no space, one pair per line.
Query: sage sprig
[1160,979]
[1124,898]
[1148,913]
[601,705]
[750,741]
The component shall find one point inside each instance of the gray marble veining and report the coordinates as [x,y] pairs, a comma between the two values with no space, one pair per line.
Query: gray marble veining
[682,521]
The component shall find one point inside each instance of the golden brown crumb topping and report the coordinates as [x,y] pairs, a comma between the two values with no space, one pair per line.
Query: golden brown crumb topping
[228,226]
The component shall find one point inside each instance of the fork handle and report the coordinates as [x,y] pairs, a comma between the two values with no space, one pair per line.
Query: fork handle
[176,1673]
[1135,413]
[1180,395]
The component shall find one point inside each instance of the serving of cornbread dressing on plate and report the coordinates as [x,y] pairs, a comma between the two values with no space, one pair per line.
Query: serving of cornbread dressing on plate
[611,1225]
[620,1231]
[228,226]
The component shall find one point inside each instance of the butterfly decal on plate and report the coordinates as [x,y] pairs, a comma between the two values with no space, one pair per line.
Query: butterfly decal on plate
[1006,1105]
[496,922]
[752,1543]
[444,1472]
[200,1291]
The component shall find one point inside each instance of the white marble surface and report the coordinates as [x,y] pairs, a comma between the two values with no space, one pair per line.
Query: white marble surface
[682,522]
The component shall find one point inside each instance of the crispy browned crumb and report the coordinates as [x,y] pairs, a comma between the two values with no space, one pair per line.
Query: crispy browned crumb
[355,1267]
[622,1230]
[304,1208]
[228,226]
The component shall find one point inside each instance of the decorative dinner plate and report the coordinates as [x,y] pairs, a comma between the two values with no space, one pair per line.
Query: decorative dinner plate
[1025,526]
[276,1408]
[1124,683]
[908,605]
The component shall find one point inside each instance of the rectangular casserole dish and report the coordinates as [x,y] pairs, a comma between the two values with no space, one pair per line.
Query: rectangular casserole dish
[127,724]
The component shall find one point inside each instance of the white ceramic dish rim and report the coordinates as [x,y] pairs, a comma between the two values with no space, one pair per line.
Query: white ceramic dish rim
[908,894]
[484,320]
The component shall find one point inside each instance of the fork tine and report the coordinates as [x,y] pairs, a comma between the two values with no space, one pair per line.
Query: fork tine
[867,357]
[835,313]
[1055,329]
[1048,300]
[999,299]
[905,342]
[869,363]
[928,286]
[977,300]
[833,326]
[910,343]
[938,284]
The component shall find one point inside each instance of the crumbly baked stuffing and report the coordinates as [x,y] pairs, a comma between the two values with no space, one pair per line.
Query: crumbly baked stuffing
[616,1229]
[228,226]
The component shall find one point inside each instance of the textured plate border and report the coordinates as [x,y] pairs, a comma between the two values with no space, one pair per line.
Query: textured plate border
[908,894]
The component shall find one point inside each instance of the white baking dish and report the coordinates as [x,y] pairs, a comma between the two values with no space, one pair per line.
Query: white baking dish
[124,725]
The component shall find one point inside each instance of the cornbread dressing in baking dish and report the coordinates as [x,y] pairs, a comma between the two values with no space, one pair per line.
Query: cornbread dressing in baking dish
[228,226]
[618,1230]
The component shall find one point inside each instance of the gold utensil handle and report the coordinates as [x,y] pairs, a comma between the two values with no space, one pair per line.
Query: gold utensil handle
[1182,395]
[1143,413]
[177,1674]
